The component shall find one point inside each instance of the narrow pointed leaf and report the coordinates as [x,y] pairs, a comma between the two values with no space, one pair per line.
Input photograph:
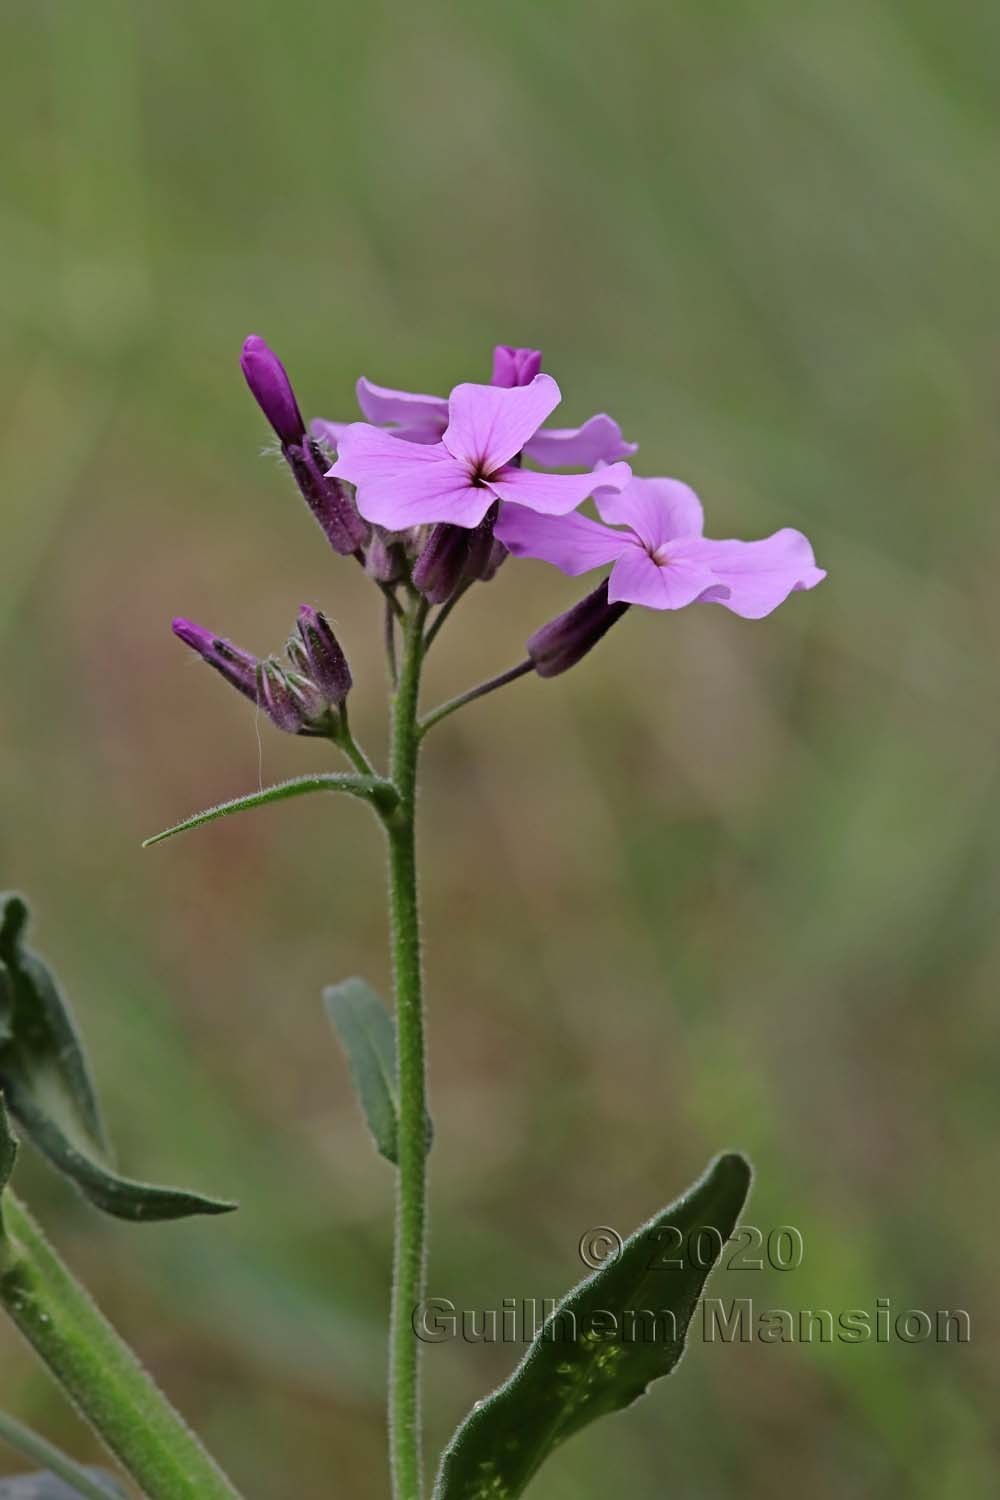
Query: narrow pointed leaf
[368,1037]
[108,1190]
[596,1353]
[46,1083]
[37,1033]
[381,794]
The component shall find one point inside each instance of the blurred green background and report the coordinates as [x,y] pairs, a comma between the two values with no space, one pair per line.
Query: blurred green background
[729,884]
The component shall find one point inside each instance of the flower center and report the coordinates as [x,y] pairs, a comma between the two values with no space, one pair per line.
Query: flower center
[660,555]
[479,473]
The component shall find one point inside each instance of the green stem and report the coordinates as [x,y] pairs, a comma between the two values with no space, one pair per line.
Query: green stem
[33,1446]
[444,612]
[480,691]
[97,1371]
[411,1178]
[346,741]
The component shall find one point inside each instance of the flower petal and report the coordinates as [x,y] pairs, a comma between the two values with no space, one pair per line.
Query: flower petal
[554,494]
[658,510]
[407,484]
[758,576]
[572,542]
[406,409]
[637,579]
[490,424]
[326,432]
[599,440]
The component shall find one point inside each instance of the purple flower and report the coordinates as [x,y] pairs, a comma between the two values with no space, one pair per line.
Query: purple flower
[661,559]
[286,707]
[301,699]
[423,419]
[238,667]
[272,390]
[324,659]
[330,504]
[402,484]
[515,366]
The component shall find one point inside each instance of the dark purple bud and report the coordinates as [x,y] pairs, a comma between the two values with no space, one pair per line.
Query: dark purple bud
[498,556]
[326,497]
[515,366]
[325,663]
[277,698]
[441,565]
[385,560]
[272,390]
[561,643]
[238,667]
[312,703]
[481,547]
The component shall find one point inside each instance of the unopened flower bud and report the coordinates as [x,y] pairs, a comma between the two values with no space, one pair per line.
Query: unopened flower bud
[515,366]
[442,563]
[278,699]
[272,390]
[561,643]
[385,559]
[325,663]
[326,497]
[498,556]
[238,667]
[481,547]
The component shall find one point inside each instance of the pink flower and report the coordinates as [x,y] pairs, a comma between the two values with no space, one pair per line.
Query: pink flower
[661,559]
[423,419]
[458,479]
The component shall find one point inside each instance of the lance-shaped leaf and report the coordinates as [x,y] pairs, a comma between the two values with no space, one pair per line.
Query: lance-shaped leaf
[37,1031]
[381,794]
[368,1037]
[47,1086]
[596,1353]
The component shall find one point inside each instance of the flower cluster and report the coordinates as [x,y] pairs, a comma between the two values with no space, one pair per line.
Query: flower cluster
[431,494]
[308,695]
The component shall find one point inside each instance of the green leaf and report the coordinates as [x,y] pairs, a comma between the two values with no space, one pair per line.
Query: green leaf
[47,1086]
[368,1037]
[38,1036]
[594,1354]
[381,794]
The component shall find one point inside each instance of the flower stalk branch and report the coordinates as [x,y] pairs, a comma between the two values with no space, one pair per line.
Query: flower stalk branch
[97,1371]
[480,691]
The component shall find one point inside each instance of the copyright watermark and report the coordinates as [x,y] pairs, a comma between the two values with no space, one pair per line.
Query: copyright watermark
[737,1320]
[747,1248]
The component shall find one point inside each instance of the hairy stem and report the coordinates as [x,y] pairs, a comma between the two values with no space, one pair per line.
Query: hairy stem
[411,1179]
[97,1371]
[389,636]
[480,691]
[445,611]
[346,741]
